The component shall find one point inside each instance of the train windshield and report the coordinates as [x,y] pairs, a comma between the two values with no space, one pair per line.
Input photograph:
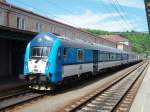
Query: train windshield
[39,52]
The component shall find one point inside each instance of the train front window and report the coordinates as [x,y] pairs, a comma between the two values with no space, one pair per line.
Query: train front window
[39,52]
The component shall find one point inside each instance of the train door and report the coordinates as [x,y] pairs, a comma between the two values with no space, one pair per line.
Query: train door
[95,61]
[59,64]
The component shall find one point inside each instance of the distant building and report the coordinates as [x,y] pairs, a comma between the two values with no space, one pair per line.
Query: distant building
[121,42]
[105,42]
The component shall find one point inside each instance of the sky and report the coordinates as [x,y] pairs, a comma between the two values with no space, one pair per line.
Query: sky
[107,15]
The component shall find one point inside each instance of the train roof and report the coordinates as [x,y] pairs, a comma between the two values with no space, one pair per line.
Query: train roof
[43,39]
[46,38]
[87,45]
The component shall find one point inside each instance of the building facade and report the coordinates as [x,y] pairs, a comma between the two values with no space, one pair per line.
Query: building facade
[15,17]
[17,23]
[121,42]
[12,16]
[103,41]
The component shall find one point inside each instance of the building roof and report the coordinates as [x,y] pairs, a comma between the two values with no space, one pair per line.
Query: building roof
[15,33]
[115,38]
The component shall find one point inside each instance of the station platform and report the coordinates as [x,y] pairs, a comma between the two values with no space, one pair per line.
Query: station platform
[141,102]
[9,82]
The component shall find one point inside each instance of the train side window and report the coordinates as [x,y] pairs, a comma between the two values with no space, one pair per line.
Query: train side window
[107,56]
[59,53]
[124,57]
[99,56]
[103,56]
[119,56]
[65,53]
[80,55]
[112,56]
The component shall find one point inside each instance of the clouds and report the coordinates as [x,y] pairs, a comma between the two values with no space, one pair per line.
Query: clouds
[86,18]
[91,14]
[128,3]
[89,19]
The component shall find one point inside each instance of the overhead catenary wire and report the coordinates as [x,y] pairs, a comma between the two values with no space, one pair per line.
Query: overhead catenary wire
[103,5]
[106,7]
[113,16]
[125,16]
[114,4]
[120,14]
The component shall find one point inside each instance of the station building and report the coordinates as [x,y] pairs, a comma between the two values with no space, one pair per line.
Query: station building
[18,26]
[103,41]
[121,42]
[15,17]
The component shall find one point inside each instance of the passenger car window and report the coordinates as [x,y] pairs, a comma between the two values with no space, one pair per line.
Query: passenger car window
[65,53]
[80,55]
[112,56]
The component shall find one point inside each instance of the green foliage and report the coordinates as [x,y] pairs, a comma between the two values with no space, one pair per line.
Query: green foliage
[140,42]
[97,32]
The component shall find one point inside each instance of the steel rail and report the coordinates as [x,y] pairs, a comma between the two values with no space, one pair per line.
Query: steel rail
[125,103]
[78,104]
[20,98]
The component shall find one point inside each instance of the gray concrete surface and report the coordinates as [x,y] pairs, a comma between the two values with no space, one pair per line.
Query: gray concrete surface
[9,83]
[142,100]
[59,101]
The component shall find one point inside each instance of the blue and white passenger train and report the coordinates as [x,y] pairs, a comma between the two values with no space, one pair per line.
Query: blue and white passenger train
[50,58]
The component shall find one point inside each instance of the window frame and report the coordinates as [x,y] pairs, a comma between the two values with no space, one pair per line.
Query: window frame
[38,26]
[41,52]
[1,17]
[20,23]
[59,53]
[65,53]
[82,58]
[114,56]
[23,23]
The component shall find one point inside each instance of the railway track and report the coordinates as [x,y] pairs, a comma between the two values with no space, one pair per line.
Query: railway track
[115,96]
[13,93]
[18,98]
[24,96]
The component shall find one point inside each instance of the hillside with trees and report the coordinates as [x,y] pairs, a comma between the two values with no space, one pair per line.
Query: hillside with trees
[140,41]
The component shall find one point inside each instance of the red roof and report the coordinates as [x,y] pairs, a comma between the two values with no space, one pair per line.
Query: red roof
[115,38]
